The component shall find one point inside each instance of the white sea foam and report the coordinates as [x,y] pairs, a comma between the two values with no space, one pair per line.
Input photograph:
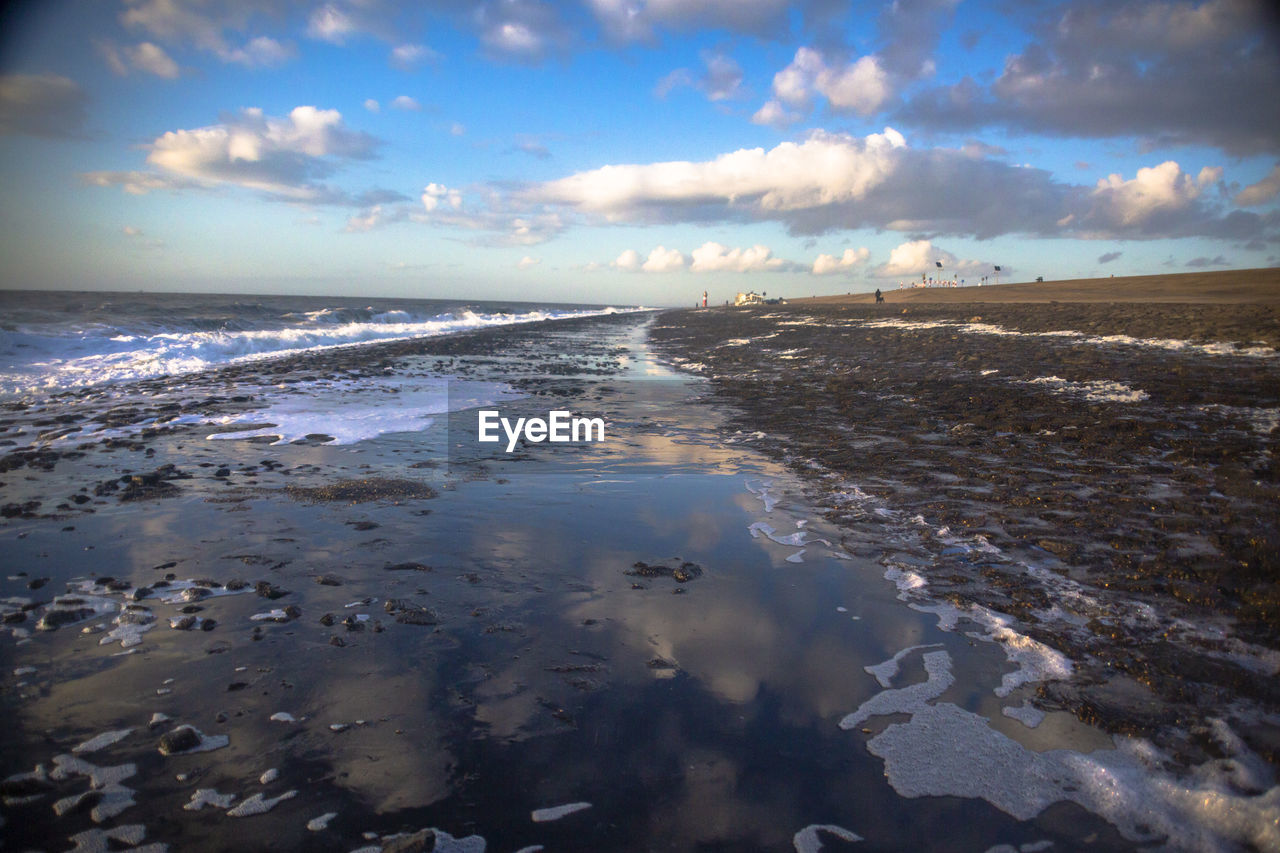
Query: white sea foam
[886,670]
[101,741]
[1213,348]
[758,528]
[909,699]
[947,751]
[103,840]
[113,797]
[352,411]
[259,804]
[762,491]
[807,840]
[1263,421]
[208,797]
[556,812]
[1026,713]
[1095,391]
[944,750]
[276,615]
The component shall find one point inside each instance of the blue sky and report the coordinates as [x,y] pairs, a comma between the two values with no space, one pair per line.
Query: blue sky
[637,151]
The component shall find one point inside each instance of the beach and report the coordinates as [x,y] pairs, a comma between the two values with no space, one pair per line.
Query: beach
[969,577]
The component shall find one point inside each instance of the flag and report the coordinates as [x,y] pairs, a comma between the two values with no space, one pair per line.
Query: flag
[997,269]
[939,264]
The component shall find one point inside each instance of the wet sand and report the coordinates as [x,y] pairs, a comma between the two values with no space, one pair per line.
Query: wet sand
[698,634]
[1122,451]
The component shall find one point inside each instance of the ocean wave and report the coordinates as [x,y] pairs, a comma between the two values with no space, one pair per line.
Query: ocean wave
[45,358]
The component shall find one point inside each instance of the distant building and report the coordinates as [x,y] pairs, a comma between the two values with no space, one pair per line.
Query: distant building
[748,298]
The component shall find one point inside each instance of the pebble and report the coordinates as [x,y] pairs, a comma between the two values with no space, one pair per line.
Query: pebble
[271,616]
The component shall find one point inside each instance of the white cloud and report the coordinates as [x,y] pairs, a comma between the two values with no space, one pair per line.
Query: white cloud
[47,105]
[457,128]
[720,81]
[709,257]
[132,231]
[776,115]
[175,20]
[840,182]
[372,106]
[366,220]
[513,37]
[443,206]
[636,20]
[629,260]
[1261,192]
[673,80]
[282,157]
[822,170]
[406,57]
[921,256]
[531,230]
[662,259]
[917,256]
[713,257]
[526,262]
[525,30]
[723,78]
[331,23]
[1153,191]
[152,59]
[531,146]
[261,52]
[436,195]
[406,103]
[204,25]
[862,86]
[137,183]
[795,83]
[829,264]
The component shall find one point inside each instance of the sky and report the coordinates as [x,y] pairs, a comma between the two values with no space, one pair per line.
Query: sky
[631,151]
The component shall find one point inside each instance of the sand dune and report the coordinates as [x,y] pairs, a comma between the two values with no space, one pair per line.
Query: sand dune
[1226,286]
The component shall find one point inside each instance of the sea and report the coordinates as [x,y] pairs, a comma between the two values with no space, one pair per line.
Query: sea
[52,341]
